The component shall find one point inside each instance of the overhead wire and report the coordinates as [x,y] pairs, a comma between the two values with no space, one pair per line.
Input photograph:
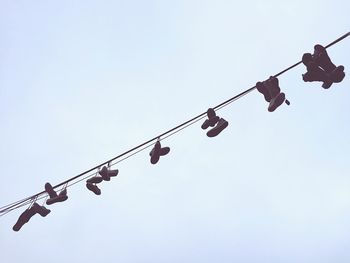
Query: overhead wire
[129,153]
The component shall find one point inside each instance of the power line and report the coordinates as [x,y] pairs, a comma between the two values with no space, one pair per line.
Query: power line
[127,154]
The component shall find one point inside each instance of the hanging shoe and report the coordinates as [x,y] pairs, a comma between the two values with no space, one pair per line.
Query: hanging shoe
[113,173]
[164,151]
[276,102]
[212,119]
[158,151]
[28,214]
[155,153]
[321,68]
[322,59]
[272,86]
[263,90]
[93,188]
[220,126]
[104,173]
[55,198]
[95,180]
[107,174]
[49,189]
[23,219]
[40,209]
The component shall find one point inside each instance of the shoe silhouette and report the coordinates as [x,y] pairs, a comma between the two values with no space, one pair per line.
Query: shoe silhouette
[263,90]
[276,102]
[272,93]
[93,188]
[95,180]
[158,151]
[220,126]
[54,198]
[107,174]
[28,214]
[212,119]
[320,67]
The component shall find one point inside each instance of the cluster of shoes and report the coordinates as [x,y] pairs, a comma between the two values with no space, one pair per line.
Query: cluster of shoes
[272,93]
[105,174]
[41,210]
[218,124]
[29,213]
[158,151]
[320,68]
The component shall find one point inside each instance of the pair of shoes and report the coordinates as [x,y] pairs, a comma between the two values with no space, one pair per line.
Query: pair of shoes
[215,121]
[221,125]
[91,182]
[158,151]
[28,214]
[272,93]
[212,119]
[54,198]
[107,174]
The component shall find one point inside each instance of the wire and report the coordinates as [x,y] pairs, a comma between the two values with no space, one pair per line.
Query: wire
[8,208]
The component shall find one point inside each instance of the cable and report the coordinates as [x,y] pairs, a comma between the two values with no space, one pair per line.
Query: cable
[7,208]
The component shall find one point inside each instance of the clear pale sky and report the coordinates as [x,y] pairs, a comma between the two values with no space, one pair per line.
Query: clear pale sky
[82,81]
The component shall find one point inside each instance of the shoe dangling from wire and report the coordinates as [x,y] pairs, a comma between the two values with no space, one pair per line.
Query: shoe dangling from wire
[158,151]
[91,184]
[29,213]
[107,173]
[272,93]
[218,124]
[54,198]
[320,67]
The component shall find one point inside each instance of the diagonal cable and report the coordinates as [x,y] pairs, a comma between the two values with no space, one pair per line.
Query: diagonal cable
[7,208]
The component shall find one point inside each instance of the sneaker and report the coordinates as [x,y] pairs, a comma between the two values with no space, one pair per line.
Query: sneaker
[276,102]
[49,189]
[158,151]
[104,173]
[28,214]
[164,151]
[322,59]
[210,122]
[205,124]
[272,86]
[93,188]
[263,90]
[222,124]
[113,173]
[40,209]
[23,219]
[155,153]
[95,180]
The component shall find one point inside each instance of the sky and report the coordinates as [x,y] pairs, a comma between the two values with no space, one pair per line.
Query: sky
[83,81]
